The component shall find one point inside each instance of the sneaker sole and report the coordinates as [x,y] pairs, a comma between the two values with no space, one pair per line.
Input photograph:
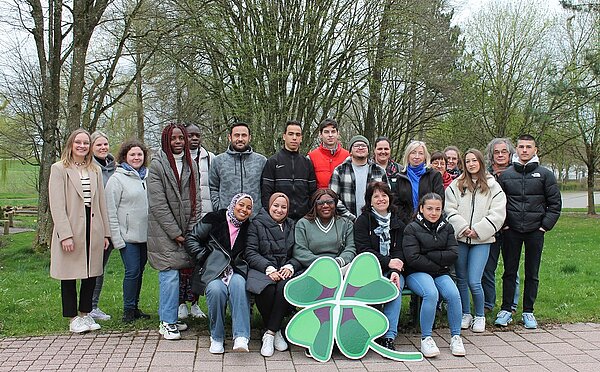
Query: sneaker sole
[502,324]
[432,355]
[240,350]
[459,353]
[222,351]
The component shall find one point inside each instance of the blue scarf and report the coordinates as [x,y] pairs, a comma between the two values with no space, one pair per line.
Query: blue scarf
[141,172]
[414,175]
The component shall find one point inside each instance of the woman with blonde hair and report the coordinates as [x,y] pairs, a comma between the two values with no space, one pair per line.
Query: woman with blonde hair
[416,180]
[81,231]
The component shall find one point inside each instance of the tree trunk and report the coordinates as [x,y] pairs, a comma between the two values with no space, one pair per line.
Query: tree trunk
[591,180]
[139,100]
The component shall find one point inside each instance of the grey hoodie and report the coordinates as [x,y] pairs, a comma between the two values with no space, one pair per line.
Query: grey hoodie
[233,172]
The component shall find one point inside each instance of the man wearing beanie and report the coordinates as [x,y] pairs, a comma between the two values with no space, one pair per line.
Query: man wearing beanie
[350,179]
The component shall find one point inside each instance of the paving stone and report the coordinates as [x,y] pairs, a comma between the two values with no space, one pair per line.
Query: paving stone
[561,348]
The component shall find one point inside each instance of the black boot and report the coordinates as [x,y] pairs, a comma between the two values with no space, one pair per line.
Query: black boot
[129,316]
[139,314]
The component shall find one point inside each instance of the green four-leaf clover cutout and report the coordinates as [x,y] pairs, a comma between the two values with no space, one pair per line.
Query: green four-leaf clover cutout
[337,309]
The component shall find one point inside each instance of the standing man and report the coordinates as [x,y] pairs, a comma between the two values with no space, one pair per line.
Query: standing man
[329,154]
[350,179]
[499,153]
[236,170]
[533,207]
[290,173]
[204,159]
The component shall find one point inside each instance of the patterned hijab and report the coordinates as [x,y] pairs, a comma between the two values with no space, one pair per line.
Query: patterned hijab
[230,215]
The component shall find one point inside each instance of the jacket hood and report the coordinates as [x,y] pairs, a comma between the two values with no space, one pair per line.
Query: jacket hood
[232,152]
[130,173]
[529,166]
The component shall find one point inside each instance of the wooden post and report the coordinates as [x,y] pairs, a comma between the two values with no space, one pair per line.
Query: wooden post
[10,218]
[6,227]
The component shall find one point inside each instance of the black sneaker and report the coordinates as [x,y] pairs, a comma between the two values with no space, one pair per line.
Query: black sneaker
[139,314]
[129,316]
[388,343]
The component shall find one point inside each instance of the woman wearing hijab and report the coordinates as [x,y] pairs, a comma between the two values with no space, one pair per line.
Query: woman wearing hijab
[416,180]
[378,230]
[217,245]
[269,256]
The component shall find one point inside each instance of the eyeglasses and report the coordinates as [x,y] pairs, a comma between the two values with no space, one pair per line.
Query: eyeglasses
[503,152]
[438,163]
[323,202]
[359,146]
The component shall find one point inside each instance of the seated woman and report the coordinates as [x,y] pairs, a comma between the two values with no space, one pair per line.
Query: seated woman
[324,233]
[378,230]
[430,249]
[270,263]
[217,244]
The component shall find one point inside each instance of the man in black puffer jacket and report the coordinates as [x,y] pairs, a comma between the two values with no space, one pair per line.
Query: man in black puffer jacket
[533,207]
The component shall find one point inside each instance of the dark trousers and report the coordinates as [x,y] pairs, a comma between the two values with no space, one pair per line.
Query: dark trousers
[511,254]
[272,305]
[100,279]
[68,291]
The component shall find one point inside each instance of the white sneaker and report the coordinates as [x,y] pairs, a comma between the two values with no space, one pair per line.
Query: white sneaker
[181,326]
[267,348]
[428,348]
[182,312]
[98,314]
[78,325]
[478,325]
[240,345]
[279,342]
[216,347]
[196,311]
[456,346]
[90,322]
[169,331]
[467,319]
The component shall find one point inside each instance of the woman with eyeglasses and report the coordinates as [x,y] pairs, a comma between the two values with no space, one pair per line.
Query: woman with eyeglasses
[321,232]
[439,162]
[417,179]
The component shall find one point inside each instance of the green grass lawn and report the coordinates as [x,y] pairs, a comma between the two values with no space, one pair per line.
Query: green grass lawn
[30,299]
[18,183]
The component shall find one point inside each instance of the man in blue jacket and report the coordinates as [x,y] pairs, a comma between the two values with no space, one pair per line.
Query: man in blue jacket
[532,208]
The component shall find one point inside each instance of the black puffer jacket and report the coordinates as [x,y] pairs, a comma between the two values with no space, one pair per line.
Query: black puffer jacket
[431,181]
[210,247]
[429,248]
[366,240]
[268,246]
[292,174]
[532,197]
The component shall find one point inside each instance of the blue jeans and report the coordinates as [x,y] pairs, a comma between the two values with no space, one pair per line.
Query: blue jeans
[469,269]
[217,296]
[168,296]
[100,279]
[488,280]
[391,310]
[134,257]
[428,288]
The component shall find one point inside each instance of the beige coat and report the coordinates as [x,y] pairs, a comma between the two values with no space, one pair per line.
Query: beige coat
[68,214]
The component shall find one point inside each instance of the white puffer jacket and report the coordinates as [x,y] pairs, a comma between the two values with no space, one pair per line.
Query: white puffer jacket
[127,206]
[204,163]
[484,213]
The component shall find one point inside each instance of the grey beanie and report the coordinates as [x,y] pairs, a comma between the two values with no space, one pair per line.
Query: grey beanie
[359,138]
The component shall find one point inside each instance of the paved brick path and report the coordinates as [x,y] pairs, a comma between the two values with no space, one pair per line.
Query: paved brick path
[570,347]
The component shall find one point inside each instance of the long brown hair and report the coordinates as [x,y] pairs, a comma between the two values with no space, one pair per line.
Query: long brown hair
[465,180]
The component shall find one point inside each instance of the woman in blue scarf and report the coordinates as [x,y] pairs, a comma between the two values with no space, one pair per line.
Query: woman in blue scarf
[127,205]
[416,180]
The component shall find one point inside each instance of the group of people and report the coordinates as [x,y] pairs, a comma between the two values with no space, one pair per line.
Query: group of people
[238,226]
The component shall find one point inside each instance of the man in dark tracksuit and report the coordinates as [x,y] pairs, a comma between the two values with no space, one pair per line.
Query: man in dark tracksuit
[533,207]
[290,173]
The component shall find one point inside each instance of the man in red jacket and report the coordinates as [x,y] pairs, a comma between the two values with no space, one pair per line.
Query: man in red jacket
[329,154]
